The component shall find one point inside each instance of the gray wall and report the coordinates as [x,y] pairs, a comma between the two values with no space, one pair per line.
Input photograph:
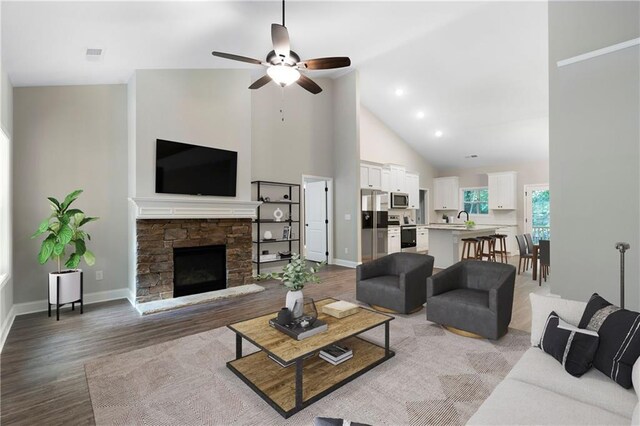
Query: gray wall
[301,144]
[201,107]
[67,138]
[346,158]
[594,149]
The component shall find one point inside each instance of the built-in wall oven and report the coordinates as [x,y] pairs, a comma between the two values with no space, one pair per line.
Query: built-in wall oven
[408,238]
[399,200]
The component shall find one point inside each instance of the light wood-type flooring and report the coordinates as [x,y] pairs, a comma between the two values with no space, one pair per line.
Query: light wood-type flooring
[42,364]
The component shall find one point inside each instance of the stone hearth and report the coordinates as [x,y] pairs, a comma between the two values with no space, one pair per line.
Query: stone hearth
[156,239]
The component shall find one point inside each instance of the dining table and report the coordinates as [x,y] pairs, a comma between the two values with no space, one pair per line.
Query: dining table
[534,261]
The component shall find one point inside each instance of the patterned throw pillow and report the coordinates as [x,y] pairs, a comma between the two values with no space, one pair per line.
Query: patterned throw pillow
[619,338]
[574,348]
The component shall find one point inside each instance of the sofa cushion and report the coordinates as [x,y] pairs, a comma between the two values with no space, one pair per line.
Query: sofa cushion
[593,388]
[619,331]
[541,306]
[518,403]
[573,348]
[390,281]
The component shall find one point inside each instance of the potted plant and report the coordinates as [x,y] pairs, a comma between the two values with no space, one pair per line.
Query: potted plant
[295,275]
[470,224]
[63,231]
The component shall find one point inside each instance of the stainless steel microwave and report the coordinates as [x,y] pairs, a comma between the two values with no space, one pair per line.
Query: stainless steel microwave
[399,200]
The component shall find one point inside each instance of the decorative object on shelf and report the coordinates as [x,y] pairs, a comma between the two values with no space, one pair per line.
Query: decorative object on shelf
[295,275]
[267,235]
[278,214]
[286,232]
[470,224]
[284,254]
[63,228]
[445,218]
[285,197]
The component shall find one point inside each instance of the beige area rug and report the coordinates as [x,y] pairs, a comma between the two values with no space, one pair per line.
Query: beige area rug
[195,299]
[436,377]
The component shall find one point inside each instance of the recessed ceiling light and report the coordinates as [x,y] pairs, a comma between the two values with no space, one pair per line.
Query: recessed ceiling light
[439,133]
[399,91]
[420,114]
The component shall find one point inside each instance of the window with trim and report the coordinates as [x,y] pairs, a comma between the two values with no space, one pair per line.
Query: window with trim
[475,200]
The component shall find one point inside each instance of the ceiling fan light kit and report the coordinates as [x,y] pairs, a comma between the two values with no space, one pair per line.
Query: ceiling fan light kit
[284,65]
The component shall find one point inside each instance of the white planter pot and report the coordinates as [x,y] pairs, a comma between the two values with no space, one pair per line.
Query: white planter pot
[70,286]
[295,308]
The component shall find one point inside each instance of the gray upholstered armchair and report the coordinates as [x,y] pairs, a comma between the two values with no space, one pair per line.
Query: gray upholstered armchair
[396,282]
[473,296]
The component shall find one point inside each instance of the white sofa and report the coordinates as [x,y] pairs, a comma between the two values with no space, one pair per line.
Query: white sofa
[539,391]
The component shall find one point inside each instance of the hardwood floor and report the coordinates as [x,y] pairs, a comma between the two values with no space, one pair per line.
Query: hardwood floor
[42,364]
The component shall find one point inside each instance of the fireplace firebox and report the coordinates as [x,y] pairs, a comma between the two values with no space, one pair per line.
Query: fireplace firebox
[199,269]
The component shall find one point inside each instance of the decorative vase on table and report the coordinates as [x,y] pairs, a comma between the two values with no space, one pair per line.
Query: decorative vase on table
[295,303]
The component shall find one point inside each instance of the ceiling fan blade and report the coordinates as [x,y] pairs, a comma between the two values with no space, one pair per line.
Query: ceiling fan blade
[280,39]
[260,82]
[308,84]
[325,63]
[236,58]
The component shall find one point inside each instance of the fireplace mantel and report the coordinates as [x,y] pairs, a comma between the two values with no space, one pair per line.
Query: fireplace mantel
[193,208]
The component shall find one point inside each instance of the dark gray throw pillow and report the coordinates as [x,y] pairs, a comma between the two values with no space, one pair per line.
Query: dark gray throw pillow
[619,338]
[572,347]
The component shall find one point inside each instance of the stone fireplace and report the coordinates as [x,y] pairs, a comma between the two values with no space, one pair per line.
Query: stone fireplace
[160,241]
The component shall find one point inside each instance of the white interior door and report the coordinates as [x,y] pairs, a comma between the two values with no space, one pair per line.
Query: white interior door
[315,213]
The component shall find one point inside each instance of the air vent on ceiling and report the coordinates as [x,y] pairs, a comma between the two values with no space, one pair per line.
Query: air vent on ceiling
[94,52]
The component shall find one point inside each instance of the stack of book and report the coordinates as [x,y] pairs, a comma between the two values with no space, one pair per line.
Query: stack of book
[336,354]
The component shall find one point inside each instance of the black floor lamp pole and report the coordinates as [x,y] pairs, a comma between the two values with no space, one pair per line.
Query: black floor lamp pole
[622,247]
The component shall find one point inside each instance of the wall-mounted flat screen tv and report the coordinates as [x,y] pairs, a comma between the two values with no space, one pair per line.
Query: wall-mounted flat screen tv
[195,170]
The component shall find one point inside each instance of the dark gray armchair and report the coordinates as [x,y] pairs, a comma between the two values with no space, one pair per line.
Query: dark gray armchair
[473,296]
[397,282]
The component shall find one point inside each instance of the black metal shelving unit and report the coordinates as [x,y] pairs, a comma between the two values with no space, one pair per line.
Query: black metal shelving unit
[294,218]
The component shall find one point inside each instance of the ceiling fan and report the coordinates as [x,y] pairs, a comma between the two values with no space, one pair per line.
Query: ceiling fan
[284,65]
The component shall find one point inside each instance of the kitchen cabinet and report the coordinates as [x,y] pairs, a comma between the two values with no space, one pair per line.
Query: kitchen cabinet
[370,177]
[394,245]
[422,238]
[510,232]
[386,180]
[502,190]
[397,178]
[446,193]
[412,184]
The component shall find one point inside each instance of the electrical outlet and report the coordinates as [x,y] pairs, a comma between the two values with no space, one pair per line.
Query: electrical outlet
[99,276]
[346,250]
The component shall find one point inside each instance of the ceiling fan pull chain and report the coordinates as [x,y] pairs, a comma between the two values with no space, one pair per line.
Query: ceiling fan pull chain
[282,104]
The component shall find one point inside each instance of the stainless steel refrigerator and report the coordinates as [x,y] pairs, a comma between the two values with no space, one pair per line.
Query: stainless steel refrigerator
[374,207]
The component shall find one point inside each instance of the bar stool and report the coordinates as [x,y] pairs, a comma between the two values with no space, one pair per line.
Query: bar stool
[467,243]
[490,254]
[501,247]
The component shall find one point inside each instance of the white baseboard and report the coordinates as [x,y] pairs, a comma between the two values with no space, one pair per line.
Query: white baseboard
[132,298]
[4,332]
[89,298]
[345,263]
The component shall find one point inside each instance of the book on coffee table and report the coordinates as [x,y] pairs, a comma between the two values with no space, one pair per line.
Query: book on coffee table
[340,309]
[298,332]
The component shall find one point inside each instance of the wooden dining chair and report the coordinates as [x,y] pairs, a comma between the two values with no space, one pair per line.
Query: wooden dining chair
[544,260]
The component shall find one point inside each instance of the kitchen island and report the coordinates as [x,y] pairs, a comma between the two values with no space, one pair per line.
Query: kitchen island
[445,241]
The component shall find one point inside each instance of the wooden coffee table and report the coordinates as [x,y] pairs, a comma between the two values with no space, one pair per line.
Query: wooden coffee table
[291,389]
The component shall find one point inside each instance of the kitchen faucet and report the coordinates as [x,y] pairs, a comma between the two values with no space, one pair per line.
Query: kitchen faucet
[465,212]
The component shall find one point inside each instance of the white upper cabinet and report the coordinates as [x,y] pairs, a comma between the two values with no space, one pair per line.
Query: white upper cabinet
[386,180]
[502,190]
[370,176]
[397,178]
[446,193]
[412,184]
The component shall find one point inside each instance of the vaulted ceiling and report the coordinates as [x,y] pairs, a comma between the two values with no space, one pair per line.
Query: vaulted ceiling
[476,71]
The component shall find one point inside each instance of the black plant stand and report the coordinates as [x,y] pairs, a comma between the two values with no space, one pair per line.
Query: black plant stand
[73,304]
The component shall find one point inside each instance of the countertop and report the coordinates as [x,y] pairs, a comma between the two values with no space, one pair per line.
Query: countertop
[462,228]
